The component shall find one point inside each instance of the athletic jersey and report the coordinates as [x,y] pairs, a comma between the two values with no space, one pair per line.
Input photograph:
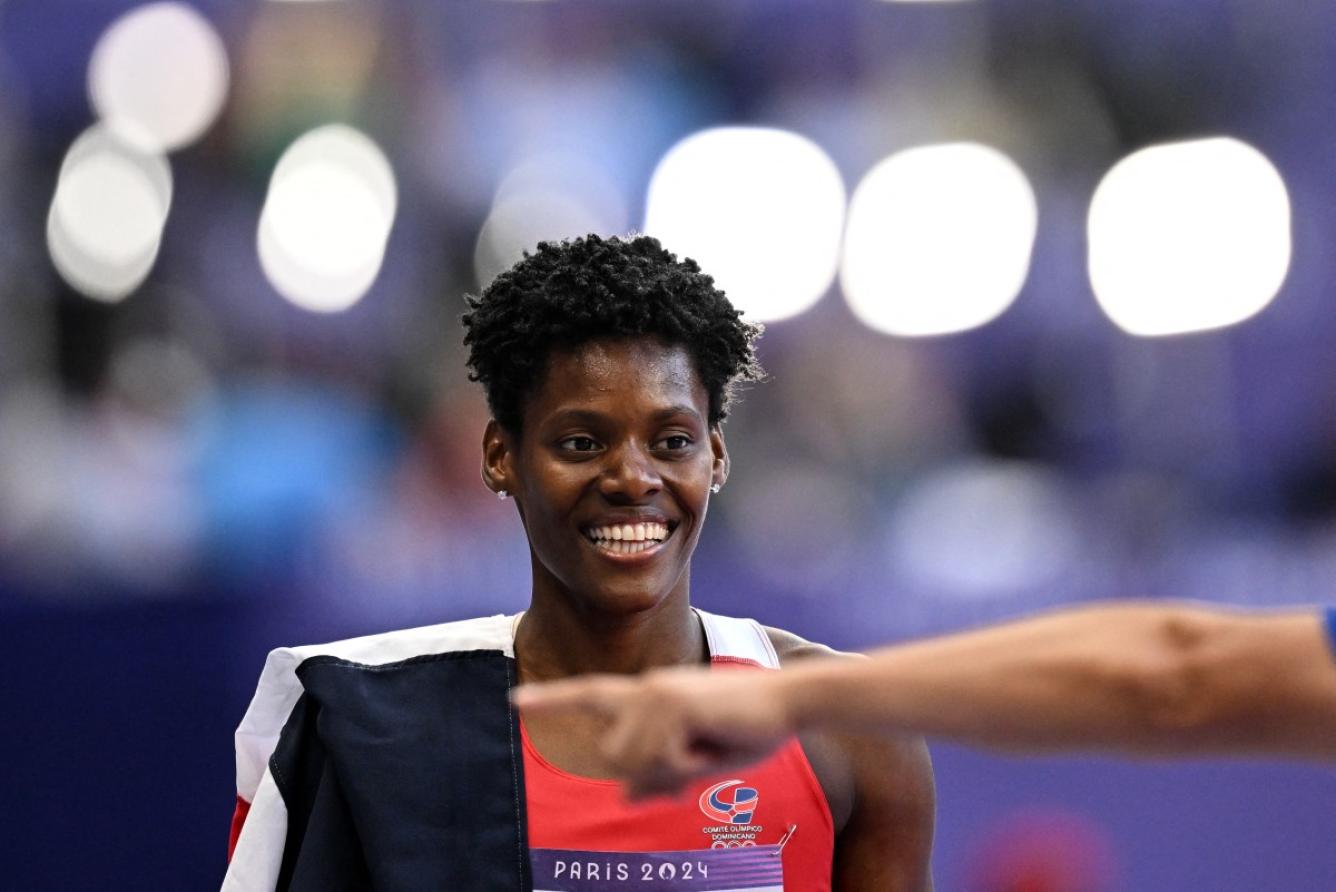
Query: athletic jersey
[765,828]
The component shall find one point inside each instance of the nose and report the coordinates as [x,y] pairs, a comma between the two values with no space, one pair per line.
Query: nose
[630,475]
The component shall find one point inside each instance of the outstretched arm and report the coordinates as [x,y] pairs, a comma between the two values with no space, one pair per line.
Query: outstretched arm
[1131,678]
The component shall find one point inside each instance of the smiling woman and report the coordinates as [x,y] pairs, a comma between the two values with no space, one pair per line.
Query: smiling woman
[608,366]
[617,440]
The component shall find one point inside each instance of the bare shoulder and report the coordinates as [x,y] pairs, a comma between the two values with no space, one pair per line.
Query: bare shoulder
[792,647]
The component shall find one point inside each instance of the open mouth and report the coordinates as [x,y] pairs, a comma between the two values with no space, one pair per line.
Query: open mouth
[628,538]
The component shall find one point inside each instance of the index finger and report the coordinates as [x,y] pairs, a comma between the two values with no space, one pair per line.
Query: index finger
[599,695]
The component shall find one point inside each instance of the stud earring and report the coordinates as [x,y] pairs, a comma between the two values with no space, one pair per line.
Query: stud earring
[502,494]
[715,487]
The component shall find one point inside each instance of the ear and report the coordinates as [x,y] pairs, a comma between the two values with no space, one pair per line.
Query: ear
[497,468]
[720,450]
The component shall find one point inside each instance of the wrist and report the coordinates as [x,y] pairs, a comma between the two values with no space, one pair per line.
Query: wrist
[802,692]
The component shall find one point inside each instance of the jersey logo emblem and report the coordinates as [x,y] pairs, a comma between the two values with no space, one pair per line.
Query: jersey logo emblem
[718,805]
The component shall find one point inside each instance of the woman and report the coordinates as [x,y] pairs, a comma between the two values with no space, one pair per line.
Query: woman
[608,366]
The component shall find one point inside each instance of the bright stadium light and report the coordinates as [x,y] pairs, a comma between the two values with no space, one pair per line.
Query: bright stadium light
[158,76]
[760,209]
[107,216]
[327,218]
[938,241]
[1188,236]
[544,198]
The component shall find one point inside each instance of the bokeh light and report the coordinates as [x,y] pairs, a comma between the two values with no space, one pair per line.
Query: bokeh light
[1189,236]
[1044,850]
[543,198]
[939,240]
[982,529]
[158,76]
[108,213]
[760,209]
[33,422]
[326,219]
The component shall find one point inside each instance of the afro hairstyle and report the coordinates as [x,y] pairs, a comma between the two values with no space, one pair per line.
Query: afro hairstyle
[571,292]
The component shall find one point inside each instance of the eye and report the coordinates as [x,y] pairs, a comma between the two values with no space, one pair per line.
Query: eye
[577,444]
[675,442]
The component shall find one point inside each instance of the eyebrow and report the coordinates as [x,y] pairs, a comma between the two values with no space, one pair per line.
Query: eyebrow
[665,414]
[589,416]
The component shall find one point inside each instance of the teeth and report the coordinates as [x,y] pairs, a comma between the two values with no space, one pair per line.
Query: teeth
[628,538]
[625,547]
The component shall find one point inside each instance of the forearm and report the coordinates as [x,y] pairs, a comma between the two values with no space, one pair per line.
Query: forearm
[1125,678]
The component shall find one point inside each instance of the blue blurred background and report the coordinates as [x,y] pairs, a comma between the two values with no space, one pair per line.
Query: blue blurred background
[234,412]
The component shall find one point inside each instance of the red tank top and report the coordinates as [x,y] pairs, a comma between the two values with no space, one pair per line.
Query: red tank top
[766,828]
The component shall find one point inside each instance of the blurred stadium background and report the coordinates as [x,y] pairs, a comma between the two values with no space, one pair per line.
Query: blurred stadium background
[1049,311]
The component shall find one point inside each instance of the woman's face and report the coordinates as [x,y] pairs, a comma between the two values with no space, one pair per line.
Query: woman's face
[612,473]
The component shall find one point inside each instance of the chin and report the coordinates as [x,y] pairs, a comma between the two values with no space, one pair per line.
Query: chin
[615,590]
[627,602]
[624,597]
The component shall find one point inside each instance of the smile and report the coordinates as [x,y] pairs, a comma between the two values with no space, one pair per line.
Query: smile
[628,538]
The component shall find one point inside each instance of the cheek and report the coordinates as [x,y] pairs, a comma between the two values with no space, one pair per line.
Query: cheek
[693,496]
[551,544]
[541,520]
[547,506]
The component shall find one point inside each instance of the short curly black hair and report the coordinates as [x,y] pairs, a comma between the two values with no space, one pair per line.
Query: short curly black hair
[571,292]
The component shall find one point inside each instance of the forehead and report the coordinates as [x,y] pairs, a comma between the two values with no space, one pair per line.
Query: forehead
[623,375]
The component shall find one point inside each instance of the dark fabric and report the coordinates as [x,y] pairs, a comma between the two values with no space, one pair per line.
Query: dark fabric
[404,776]
[1331,627]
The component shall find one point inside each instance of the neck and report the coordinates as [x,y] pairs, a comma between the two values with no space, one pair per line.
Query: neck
[558,638]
